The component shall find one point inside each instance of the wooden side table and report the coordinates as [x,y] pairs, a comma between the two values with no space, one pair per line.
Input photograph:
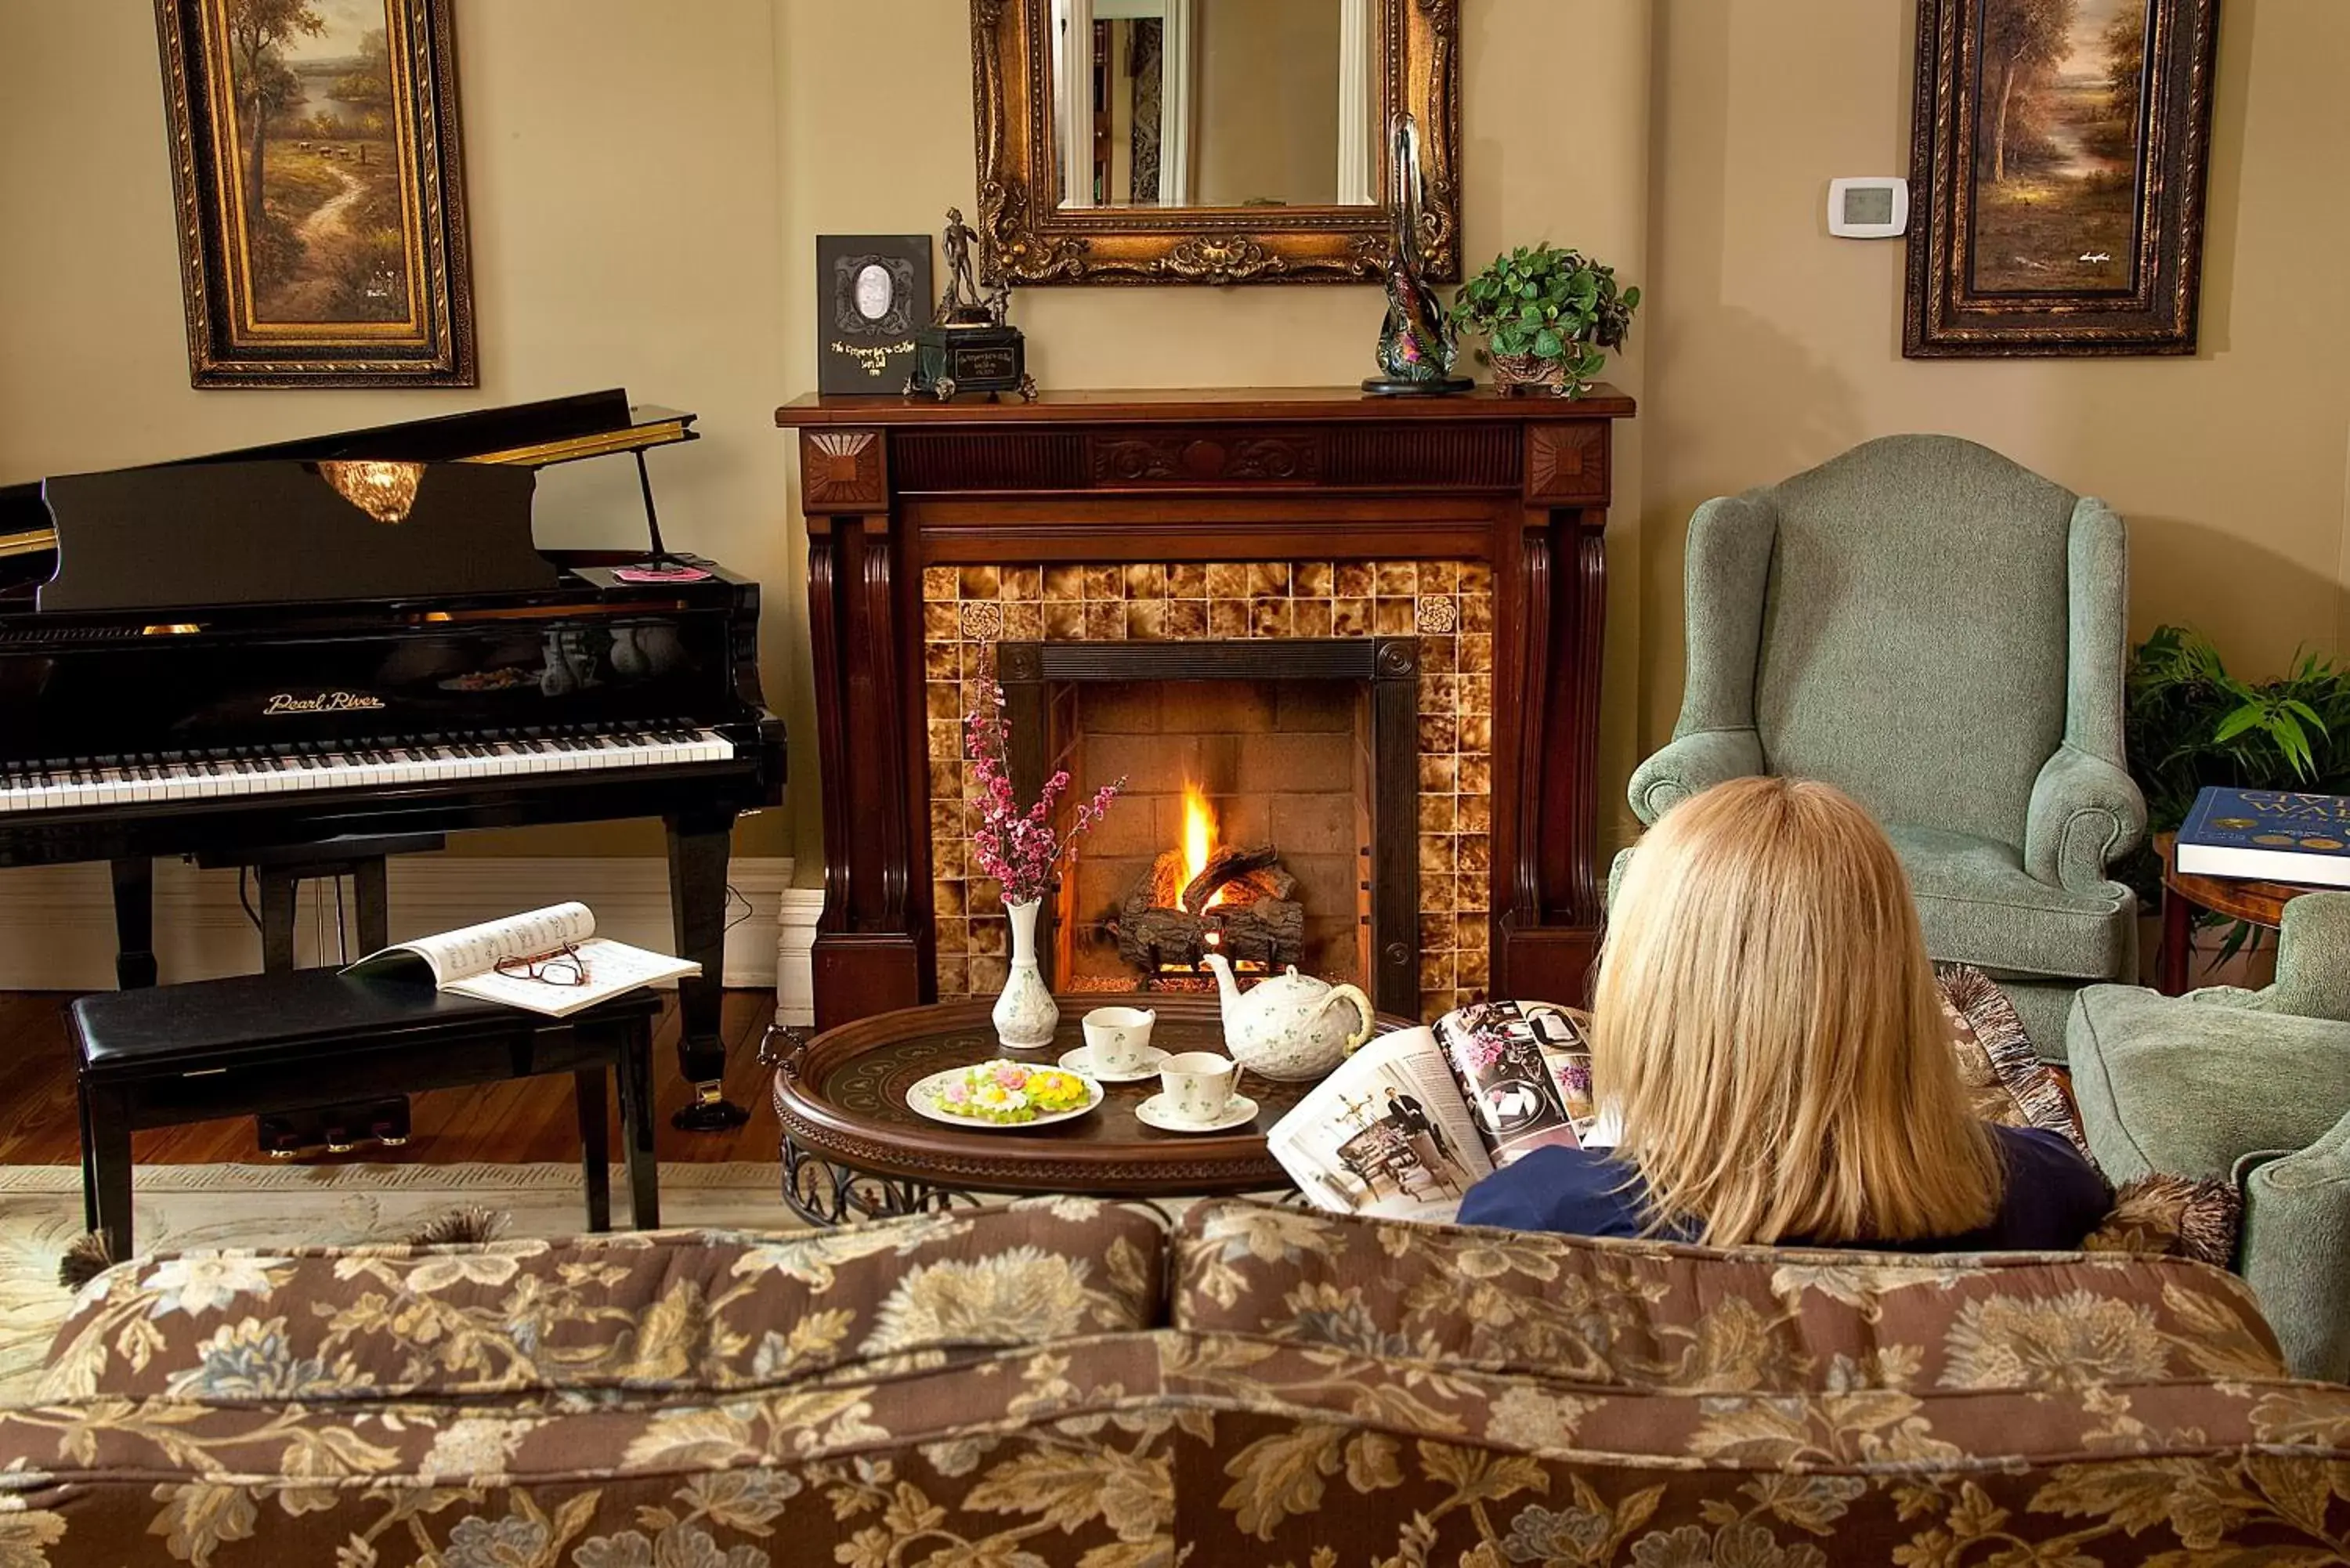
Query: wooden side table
[2183,893]
[853,1149]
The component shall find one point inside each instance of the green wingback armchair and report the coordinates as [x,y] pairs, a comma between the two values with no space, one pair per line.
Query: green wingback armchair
[2252,1086]
[1941,634]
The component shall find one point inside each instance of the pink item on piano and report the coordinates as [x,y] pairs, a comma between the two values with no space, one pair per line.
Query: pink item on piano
[660,574]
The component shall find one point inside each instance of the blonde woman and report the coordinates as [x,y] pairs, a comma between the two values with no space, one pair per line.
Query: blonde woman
[1766,1028]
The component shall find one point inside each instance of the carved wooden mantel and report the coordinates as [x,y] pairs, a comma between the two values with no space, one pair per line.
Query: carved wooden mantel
[891,486]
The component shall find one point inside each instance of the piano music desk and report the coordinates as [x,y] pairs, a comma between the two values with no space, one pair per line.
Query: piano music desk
[259,1044]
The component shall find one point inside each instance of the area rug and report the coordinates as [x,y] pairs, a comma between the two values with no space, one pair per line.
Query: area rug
[180,1207]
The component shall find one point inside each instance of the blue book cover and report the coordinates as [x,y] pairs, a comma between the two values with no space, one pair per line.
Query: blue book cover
[2267,832]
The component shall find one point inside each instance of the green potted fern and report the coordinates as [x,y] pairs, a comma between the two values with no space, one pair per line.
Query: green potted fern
[1548,317]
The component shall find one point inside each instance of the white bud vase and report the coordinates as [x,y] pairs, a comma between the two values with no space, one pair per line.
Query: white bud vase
[1026,1013]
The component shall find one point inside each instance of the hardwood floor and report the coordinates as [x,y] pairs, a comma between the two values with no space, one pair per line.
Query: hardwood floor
[518,1122]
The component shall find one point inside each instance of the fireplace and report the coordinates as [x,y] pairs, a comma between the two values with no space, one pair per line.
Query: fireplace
[942,535]
[1270,810]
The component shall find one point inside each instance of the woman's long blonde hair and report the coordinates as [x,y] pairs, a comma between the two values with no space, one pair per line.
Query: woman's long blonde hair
[1766,1024]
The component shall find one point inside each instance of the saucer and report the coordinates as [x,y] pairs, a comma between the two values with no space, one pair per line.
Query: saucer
[1081,1060]
[1239,1113]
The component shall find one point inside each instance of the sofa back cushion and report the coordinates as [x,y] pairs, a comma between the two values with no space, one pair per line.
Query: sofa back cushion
[684,1310]
[1642,1314]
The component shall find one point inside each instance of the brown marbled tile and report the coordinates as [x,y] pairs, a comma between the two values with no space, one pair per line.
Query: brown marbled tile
[1394,617]
[1471,933]
[1020,584]
[1310,617]
[944,699]
[938,584]
[1313,580]
[1476,696]
[1469,893]
[948,819]
[1439,655]
[1473,968]
[954,977]
[1146,620]
[1350,618]
[1436,893]
[1474,855]
[1476,775]
[1146,582]
[1268,579]
[1436,972]
[951,859]
[1434,1004]
[989,933]
[946,738]
[1269,618]
[1065,621]
[953,936]
[1437,854]
[1438,733]
[1187,619]
[1438,774]
[1105,583]
[1437,812]
[947,898]
[942,622]
[1474,813]
[979,583]
[1476,733]
[1353,580]
[1186,580]
[1023,622]
[1476,614]
[946,780]
[1227,580]
[942,660]
[1436,932]
[1476,577]
[1474,653]
[1106,620]
[1438,576]
[1228,619]
[1440,694]
[1064,584]
[1395,579]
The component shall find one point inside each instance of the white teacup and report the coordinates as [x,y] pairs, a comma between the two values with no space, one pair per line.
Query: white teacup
[1198,1085]
[1116,1038]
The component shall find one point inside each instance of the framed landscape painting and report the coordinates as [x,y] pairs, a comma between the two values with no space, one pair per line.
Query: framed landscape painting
[321,193]
[2058,158]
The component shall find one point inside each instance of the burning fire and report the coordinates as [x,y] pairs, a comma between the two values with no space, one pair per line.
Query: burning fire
[1199,837]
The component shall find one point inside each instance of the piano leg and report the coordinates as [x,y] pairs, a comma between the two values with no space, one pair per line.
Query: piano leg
[134,923]
[698,850]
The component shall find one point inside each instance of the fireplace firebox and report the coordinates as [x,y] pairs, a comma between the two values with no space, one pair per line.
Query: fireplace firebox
[1270,810]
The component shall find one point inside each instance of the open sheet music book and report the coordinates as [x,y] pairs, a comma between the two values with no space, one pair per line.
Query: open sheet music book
[467,962]
[1404,1126]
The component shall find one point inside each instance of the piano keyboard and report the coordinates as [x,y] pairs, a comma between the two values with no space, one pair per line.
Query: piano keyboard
[241,773]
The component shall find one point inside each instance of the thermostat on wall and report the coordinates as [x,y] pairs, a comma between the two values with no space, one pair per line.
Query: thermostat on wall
[1868,209]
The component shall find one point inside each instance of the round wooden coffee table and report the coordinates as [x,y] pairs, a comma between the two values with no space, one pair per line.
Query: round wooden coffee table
[853,1150]
[2184,892]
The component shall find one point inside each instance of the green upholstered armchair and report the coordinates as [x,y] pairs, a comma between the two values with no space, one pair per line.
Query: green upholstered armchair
[1940,633]
[2253,1087]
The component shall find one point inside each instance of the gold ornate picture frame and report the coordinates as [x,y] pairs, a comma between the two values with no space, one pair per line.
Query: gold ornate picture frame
[1027,237]
[321,187]
[2057,168]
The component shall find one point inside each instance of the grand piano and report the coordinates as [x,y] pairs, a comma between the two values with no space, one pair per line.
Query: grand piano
[327,651]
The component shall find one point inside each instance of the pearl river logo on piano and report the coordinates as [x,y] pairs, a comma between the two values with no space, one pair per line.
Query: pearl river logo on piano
[324,702]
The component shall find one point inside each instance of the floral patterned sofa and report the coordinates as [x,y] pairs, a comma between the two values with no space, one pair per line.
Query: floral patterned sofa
[1064,1383]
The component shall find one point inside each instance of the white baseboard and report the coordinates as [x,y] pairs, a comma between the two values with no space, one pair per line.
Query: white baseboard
[57,922]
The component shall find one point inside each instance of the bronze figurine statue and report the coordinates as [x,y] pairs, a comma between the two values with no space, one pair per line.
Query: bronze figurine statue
[972,347]
[1418,344]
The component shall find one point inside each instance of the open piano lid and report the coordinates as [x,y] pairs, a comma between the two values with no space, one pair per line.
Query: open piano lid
[523,435]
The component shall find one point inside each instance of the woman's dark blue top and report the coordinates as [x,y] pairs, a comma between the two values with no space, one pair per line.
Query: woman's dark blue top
[2052,1198]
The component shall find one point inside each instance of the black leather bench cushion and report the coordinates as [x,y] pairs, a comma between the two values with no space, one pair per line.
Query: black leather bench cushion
[256,1017]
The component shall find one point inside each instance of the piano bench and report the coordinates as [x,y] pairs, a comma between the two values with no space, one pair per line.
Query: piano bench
[261,1044]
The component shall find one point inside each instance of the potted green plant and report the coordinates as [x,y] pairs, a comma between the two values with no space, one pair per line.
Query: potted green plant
[1548,317]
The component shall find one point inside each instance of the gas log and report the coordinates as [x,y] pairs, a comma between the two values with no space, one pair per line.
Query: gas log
[1165,921]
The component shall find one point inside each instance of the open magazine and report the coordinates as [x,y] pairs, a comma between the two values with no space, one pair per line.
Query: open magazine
[548,961]
[1404,1126]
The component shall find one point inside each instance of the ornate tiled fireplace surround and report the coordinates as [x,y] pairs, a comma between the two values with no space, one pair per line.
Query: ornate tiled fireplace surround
[1471,526]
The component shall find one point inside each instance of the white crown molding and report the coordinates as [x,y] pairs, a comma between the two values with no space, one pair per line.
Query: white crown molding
[57,922]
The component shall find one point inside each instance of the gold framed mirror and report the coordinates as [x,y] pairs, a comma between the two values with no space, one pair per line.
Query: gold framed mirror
[1161,141]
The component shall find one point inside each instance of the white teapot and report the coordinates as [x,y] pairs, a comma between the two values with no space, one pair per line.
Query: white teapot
[1285,1028]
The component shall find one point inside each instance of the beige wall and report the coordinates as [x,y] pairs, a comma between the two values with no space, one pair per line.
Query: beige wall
[1773,347]
[647,189]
